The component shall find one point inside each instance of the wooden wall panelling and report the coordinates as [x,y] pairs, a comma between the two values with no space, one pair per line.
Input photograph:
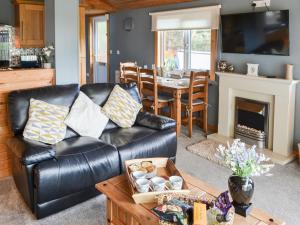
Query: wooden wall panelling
[156,49]
[105,6]
[10,81]
[133,4]
[108,50]
[213,54]
[91,46]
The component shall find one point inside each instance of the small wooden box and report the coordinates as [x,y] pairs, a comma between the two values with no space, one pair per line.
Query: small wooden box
[165,168]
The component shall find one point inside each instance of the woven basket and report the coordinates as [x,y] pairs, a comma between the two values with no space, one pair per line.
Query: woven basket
[190,199]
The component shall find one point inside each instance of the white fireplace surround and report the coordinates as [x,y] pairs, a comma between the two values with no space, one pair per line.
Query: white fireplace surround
[279,93]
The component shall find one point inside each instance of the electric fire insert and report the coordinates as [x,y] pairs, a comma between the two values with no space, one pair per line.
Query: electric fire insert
[252,122]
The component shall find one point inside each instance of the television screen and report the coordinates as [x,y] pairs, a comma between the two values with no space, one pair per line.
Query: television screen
[265,33]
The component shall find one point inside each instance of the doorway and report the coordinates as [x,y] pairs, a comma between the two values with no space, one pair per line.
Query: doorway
[98,47]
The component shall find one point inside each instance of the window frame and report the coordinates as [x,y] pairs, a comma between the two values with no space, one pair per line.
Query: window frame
[159,55]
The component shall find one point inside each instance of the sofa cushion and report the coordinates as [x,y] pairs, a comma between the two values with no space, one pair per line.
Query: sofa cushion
[79,163]
[100,92]
[86,118]
[46,122]
[18,103]
[121,108]
[141,142]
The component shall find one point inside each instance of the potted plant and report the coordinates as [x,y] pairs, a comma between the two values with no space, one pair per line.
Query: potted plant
[47,55]
[245,163]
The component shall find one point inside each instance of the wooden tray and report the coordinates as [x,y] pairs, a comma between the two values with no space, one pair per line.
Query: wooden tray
[166,168]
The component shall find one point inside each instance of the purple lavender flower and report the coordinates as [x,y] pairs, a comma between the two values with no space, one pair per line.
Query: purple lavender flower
[244,161]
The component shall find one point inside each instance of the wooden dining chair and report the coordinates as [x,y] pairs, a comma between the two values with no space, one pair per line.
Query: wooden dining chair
[123,66]
[152,100]
[196,100]
[131,75]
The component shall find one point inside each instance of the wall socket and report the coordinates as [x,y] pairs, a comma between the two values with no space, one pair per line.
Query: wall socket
[261,3]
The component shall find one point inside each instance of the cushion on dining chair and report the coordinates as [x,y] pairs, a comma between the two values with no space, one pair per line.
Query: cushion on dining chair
[185,101]
[162,97]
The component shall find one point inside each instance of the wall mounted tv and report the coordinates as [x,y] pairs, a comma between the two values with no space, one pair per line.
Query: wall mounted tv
[264,33]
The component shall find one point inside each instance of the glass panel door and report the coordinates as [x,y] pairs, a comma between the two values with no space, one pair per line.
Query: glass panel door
[100,50]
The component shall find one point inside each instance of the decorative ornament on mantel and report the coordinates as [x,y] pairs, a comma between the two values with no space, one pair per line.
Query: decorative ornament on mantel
[252,69]
[244,163]
[289,72]
[224,66]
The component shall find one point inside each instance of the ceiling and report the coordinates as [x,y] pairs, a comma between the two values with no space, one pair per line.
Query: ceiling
[106,6]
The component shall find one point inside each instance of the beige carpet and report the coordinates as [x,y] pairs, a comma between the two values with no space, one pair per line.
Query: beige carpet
[207,149]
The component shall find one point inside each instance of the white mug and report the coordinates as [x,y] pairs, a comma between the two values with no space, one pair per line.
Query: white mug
[138,175]
[142,185]
[158,183]
[176,182]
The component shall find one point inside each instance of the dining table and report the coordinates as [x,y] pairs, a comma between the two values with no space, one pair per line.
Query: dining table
[175,87]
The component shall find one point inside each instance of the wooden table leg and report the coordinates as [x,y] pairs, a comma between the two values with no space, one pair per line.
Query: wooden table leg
[177,110]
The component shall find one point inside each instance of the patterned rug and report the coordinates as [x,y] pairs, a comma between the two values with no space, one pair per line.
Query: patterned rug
[206,149]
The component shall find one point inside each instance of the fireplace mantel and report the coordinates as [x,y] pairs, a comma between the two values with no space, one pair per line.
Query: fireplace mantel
[279,93]
[258,78]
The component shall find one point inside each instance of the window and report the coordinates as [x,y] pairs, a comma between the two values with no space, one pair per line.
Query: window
[185,49]
[187,38]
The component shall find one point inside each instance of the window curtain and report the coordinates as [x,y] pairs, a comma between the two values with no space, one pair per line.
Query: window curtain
[187,19]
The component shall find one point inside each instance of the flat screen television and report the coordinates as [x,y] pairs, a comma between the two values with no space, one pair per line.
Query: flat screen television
[265,33]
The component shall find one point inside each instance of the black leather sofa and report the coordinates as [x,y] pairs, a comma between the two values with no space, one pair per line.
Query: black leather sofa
[54,177]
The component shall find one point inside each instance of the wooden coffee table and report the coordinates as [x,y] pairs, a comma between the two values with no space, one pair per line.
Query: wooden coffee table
[121,209]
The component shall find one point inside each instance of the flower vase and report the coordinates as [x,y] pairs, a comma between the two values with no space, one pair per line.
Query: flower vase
[241,190]
[47,65]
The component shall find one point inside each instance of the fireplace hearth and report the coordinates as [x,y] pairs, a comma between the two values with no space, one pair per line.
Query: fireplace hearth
[251,122]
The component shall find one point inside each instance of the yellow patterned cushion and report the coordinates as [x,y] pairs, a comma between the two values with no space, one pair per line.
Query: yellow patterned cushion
[46,122]
[121,108]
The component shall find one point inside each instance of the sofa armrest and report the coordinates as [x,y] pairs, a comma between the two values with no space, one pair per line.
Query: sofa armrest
[156,122]
[30,152]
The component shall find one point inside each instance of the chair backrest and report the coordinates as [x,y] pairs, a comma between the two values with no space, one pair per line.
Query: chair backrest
[198,88]
[126,64]
[148,85]
[130,74]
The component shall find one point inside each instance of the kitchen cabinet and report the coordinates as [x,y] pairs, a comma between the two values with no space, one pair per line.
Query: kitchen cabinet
[30,23]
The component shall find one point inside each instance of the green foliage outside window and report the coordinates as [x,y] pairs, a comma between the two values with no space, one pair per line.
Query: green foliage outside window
[200,40]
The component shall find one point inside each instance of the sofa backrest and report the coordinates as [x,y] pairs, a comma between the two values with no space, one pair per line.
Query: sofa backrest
[100,92]
[18,103]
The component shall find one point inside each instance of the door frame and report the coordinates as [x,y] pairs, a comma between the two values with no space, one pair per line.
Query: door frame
[91,44]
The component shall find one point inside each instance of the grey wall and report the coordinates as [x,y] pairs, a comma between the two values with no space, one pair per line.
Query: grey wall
[7,12]
[49,21]
[67,41]
[138,45]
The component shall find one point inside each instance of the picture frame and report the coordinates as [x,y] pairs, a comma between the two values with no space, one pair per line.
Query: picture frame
[252,69]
